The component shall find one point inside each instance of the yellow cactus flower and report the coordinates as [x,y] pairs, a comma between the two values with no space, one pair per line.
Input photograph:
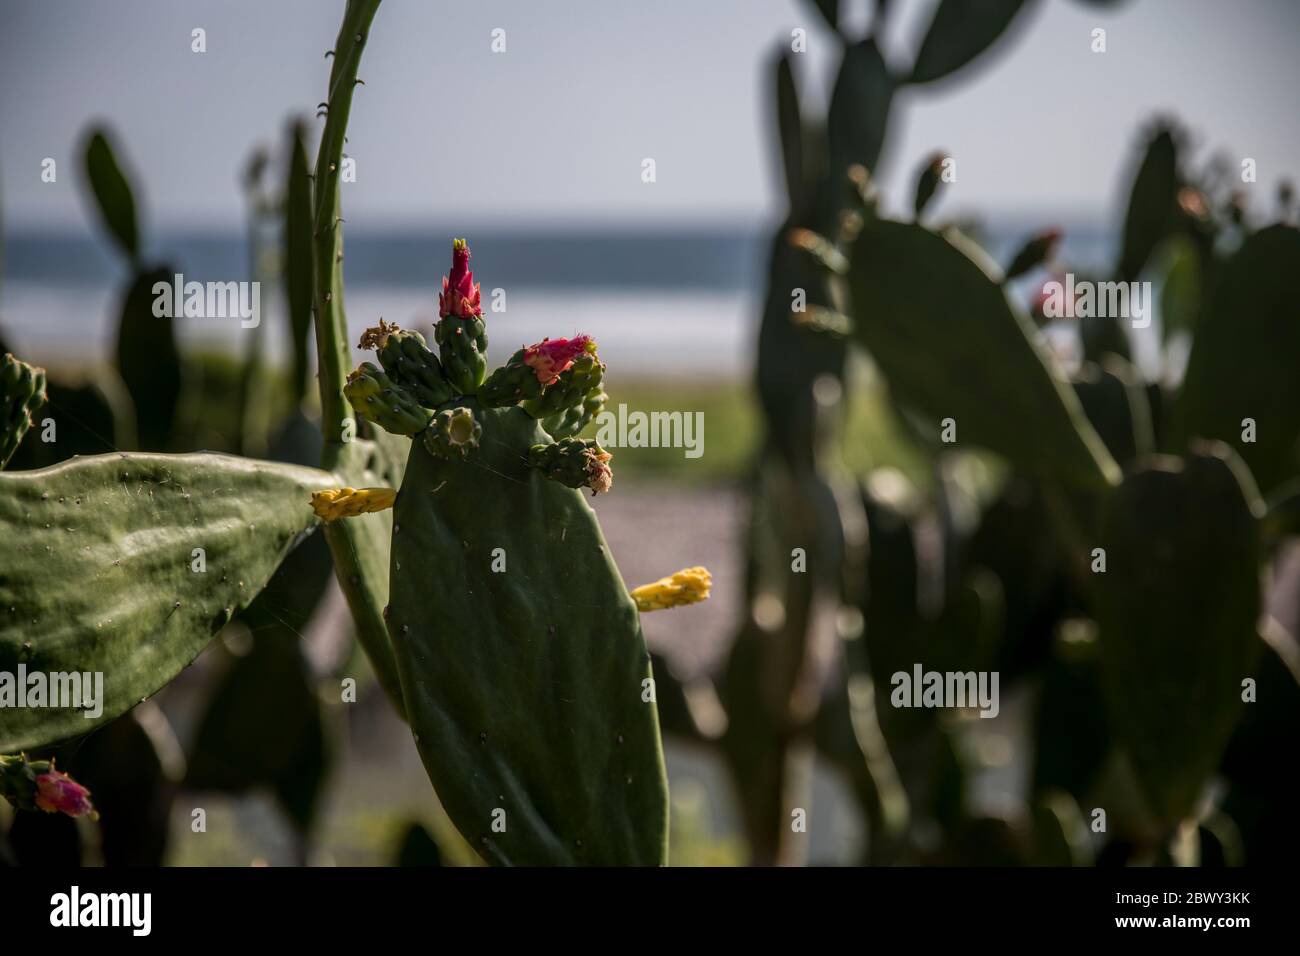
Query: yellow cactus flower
[687,586]
[350,502]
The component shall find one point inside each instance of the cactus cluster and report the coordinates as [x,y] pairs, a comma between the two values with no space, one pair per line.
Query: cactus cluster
[1090,534]
[499,573]
[1093,535]
[443,398]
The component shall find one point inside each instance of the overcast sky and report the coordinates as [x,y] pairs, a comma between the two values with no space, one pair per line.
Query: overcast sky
[556,127]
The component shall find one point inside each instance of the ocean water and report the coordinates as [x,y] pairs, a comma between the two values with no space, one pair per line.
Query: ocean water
[661,303]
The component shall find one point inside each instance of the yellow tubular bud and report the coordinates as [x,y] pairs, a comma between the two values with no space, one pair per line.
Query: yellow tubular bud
[350,502]
[687,586]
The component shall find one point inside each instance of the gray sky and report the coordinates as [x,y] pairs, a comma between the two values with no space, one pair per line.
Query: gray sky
[556,127]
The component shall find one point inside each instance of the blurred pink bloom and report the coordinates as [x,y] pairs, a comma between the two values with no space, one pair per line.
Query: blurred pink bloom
[550,357]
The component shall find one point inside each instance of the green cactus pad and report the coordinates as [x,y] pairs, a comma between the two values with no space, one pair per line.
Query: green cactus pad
[462,347]
[379,399]
[1178,606]
[22,392]
[524,686]
[1115,400]
[960,32]
[149,361]
[453,433]
[1244,360]
[858,116]
[1152,204]
[792,136]
[112,193]
[942,332]
[265,726]
[97,572]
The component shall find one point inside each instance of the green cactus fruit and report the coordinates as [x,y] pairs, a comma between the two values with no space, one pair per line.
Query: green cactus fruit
[526,676]
[453,433]
[91,417]
[571,389]
[22,392]
[409,363]
[574,462]
[979,365]
[511,384]
[462,347]
[378,399]
[1178,607]
[573,420]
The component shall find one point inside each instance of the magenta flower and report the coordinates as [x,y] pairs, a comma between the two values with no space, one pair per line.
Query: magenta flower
[56,792]
[550,357]
[460,293]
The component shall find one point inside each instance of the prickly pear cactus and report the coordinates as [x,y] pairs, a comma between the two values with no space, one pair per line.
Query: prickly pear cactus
[1178,609]
[521,658]
[519,650]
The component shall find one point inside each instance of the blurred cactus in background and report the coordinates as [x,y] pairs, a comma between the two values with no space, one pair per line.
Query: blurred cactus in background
[1097,539]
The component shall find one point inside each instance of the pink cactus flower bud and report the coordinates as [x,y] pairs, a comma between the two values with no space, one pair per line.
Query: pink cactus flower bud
[550,357]
[56,792]
[460,293]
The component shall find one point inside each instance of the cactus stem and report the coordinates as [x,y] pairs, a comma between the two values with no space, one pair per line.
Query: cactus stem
[331,329]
